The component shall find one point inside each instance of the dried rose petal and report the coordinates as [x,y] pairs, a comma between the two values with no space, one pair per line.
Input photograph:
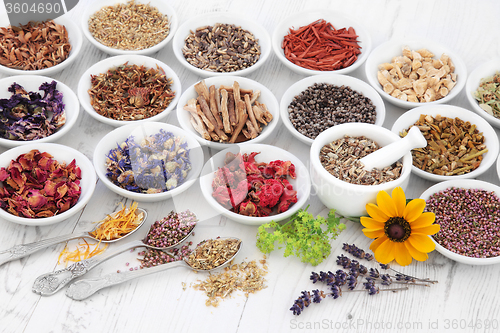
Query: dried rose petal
[35,185]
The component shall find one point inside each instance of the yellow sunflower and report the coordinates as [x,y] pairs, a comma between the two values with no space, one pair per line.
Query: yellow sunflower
[400,230]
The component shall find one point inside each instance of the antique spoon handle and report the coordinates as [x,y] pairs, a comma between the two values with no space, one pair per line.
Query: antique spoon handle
[20,251]
[84,288]
[49,283]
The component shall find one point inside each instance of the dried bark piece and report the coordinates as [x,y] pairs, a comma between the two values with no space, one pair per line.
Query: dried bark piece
[251,115]
[224,111]
[230,110]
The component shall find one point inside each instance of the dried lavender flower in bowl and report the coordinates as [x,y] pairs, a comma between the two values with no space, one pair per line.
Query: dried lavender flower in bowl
[20,124]
[148,162]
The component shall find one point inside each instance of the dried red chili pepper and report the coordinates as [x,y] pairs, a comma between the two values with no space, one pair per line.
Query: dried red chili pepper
[254,189]
[319,46]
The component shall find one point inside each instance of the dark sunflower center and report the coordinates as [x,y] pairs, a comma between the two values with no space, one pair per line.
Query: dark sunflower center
[397,229]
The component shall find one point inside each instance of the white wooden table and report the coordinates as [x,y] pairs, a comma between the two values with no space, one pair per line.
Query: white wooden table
[463,300]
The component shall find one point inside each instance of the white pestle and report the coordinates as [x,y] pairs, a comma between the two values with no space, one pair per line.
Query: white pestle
[389,154]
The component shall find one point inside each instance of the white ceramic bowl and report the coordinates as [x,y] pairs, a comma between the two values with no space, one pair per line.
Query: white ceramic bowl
[139,131]
[266,97]
[346,198]
[487,69]
[108,63]
[386,51]
[301,184]
[491,140]
[75,39]
[60,153]
[462,183]
[304,18]
[226,18]
[338,80]
[32,83]
[162,6]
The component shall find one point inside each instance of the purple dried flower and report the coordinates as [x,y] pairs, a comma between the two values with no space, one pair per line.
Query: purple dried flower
[317,296]
[356,252]
[336,291]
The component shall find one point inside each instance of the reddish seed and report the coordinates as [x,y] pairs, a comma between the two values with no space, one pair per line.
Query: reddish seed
[319,46]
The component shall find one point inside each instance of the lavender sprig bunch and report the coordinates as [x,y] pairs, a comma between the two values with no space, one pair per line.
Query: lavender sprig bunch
[349,276]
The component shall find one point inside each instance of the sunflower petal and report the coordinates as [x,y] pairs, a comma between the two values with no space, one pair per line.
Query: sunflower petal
[385,203]
[429,230]
[399,198]
[373,233]
[424,220]
[368,222]
[376,243]
[384,254]
[401,254]
[417,255]
[422,243]
[414,209]
[376,213]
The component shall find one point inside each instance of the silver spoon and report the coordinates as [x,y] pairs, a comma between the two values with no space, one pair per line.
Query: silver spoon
[49,283]
[20,251]
[84,288]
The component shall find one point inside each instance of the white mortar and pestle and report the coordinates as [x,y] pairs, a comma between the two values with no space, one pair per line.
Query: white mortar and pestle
[350,199]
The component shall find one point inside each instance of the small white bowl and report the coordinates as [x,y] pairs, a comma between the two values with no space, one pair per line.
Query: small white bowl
[487,69]
[301,184]
[162,6]
[350,199]
[75,39]
[386,51]
[102,67]
[139,131]
[32,83]
[60,153]
[462,183]
[338,80]
[266,97]
[304,18]
[244,22]
[491,140]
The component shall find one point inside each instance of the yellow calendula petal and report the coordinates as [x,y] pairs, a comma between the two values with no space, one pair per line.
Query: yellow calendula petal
[417,255]
[376,213]
[401,254]
[385,203]
[373,233]
[384,254]
[424,220]
[414,209]
[399,198]
[376,243]
[370,223]
[421,243]
[429,230]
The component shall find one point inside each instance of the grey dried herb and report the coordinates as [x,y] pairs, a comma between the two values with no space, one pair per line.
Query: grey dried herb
[213,253]
[221,48]
[129,26]
[488,95]
[341,159]
[454,146]
[131,92]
